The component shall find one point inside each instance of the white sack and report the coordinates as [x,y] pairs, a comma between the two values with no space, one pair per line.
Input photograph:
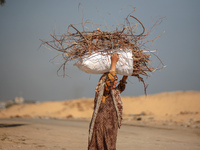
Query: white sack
[99,64]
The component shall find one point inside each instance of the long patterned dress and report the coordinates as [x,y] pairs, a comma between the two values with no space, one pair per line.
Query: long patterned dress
[107,114]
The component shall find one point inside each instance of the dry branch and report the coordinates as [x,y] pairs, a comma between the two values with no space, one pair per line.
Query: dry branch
[77,44]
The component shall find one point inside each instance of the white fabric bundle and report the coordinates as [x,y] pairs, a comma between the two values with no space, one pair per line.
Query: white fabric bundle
[99,63]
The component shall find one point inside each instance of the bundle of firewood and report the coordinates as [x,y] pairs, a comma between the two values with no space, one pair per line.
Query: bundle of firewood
[78,44]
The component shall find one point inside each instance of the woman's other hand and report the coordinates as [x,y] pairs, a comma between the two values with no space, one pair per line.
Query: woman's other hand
[124,78]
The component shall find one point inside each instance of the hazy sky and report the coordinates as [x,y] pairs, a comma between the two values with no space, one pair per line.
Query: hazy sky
[25,69]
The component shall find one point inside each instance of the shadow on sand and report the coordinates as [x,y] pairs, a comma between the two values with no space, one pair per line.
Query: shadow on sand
[10,125]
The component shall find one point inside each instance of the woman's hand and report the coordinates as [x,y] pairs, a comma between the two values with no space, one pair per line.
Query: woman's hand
[114,59]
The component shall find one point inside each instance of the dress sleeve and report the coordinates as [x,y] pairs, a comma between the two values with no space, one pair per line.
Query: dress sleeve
[108,84]
[122,85]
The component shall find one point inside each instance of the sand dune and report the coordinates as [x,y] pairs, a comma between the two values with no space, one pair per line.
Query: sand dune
[177,107]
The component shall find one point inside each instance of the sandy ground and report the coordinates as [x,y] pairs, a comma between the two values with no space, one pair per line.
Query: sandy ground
[34,134]
[180,108]
[165,121]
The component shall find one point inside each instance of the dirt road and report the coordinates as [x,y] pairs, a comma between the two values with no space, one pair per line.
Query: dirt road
[34,134]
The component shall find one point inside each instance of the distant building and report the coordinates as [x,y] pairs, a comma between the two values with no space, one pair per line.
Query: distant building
[2,105]
[5,103]
[19,100]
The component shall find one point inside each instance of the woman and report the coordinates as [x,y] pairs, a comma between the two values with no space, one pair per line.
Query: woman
[107,113]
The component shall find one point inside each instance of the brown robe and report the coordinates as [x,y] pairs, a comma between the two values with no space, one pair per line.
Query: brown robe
[106,118]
